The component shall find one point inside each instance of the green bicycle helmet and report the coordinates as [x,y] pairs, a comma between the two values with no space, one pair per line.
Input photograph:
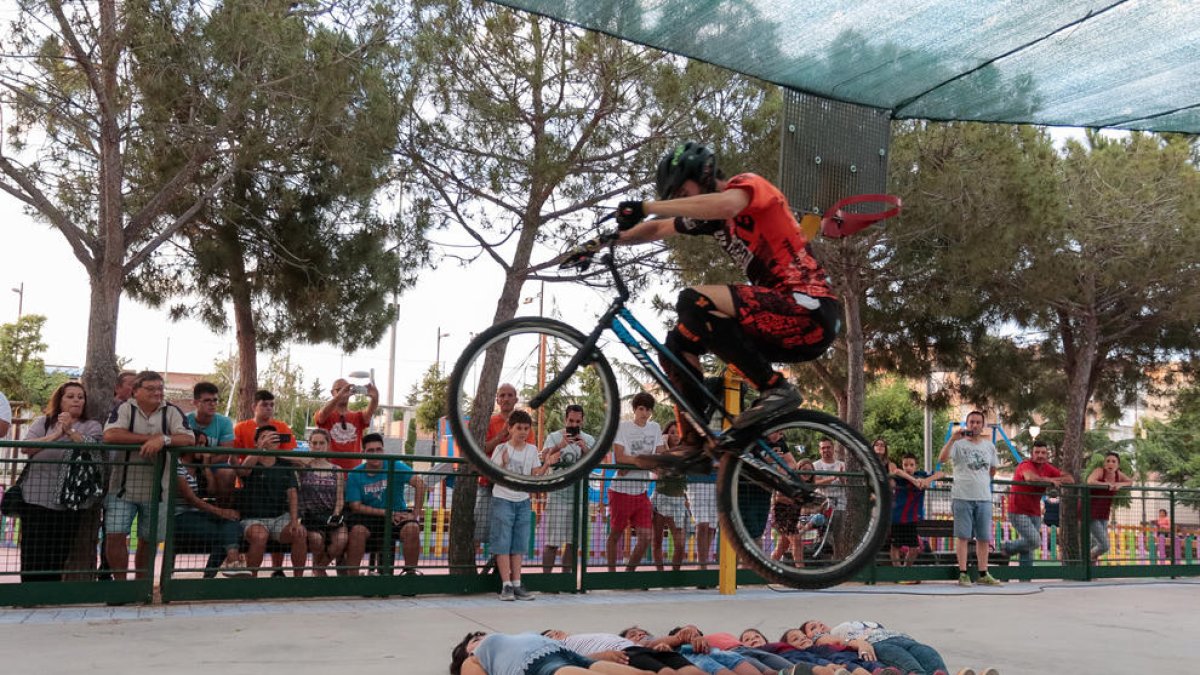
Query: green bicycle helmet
[686,161]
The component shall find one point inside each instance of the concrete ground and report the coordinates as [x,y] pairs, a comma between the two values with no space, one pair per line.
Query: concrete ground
[1148,627]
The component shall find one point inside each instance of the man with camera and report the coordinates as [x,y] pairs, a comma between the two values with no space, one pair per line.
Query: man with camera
[345,426]
[572,444]
[974,460]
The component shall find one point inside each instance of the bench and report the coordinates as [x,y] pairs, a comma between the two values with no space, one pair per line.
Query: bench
[942,528]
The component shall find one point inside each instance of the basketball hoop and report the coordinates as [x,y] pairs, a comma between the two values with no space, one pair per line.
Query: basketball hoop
[838,223]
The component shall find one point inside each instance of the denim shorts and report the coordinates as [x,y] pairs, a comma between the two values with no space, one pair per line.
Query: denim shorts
[510,526]
[704,662]
[972,519]
[119,514]
[548,664]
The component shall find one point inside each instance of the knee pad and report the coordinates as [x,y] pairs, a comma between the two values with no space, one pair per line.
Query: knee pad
[700,322]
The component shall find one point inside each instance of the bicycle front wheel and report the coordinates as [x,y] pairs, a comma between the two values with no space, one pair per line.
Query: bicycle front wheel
[824,542]
[536,355]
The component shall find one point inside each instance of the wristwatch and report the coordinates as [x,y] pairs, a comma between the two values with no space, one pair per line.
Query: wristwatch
[166,439]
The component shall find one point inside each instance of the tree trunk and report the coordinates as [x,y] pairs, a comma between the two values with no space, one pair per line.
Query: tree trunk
[100,365]
[247,339]
[856,377]
[1081,355]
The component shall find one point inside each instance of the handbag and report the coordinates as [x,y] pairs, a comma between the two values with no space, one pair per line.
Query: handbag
[13,503]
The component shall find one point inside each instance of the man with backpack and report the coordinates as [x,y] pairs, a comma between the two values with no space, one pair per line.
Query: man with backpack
[147,420]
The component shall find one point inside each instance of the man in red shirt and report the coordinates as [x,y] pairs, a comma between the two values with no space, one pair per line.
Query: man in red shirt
[1032,478]
[345,426]
[788,311]
[264,411]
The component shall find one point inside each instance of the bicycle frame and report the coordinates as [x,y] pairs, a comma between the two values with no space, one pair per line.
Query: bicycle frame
[623,324]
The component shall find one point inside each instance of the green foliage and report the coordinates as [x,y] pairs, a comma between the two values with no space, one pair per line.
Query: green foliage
[1170,450]
[293,239]
[1088,252]
[894,413]
[23,375]
[431,398]
[410,436]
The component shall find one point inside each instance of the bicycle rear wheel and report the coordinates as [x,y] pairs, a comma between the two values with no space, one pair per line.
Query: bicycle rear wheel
[860,514]
[532,354]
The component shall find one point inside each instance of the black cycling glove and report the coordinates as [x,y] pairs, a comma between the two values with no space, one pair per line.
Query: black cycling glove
[629,214]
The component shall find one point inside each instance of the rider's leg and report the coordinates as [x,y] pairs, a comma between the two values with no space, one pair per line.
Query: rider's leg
[707,313]
[702,320]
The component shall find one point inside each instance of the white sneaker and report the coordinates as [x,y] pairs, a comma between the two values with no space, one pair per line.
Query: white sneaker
[234,569]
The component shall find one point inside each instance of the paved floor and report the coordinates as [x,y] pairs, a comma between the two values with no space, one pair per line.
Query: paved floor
[1021,628]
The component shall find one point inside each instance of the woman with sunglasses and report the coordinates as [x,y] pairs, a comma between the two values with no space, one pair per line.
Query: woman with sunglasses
[481,653]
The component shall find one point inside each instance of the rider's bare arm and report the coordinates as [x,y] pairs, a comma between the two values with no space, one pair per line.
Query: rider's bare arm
[711,206]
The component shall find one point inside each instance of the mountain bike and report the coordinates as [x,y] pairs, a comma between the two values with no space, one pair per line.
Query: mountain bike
[554,364]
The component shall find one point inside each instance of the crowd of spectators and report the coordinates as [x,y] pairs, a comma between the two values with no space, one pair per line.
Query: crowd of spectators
[235,507]
[240,508]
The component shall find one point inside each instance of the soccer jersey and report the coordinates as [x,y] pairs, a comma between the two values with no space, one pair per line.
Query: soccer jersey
[765,240]
[908,502]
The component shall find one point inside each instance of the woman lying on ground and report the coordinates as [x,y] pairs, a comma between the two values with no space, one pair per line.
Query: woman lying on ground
[691,643]
[482,653]
[887,646]
[729,642]
[843,656]
[876,642]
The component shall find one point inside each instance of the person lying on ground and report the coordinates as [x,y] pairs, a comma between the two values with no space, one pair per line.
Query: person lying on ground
[689,641]
[731,643]
[611,647]
[752,637]
[481,653]
[888,646]
[848,656]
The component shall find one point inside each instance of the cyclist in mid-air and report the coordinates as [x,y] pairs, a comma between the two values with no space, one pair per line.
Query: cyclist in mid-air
[787,313]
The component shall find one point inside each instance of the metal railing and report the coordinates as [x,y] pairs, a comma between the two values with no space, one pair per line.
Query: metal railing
[180,568]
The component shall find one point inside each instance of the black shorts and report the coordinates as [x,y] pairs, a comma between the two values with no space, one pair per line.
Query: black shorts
[644,658]
[781,329]
[905,534]
[318,521]
[375,526]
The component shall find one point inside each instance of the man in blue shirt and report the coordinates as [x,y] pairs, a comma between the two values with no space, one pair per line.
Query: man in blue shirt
[366,497]
[213,430]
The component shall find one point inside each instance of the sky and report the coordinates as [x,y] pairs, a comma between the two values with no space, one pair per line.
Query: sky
[449,299]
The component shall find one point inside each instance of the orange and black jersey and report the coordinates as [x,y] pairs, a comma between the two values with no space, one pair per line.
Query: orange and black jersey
[765,240]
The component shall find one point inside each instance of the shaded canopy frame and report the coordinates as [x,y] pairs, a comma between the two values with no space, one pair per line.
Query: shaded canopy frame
[1127,64]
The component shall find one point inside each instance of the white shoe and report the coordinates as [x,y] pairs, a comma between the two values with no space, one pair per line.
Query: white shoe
[234,569]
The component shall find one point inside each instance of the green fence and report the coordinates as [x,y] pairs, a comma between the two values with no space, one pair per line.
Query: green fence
[172,560]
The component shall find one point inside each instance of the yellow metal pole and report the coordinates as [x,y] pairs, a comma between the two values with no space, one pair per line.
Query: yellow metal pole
[727,556]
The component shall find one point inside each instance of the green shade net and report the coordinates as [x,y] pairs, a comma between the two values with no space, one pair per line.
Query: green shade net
[1129,64]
